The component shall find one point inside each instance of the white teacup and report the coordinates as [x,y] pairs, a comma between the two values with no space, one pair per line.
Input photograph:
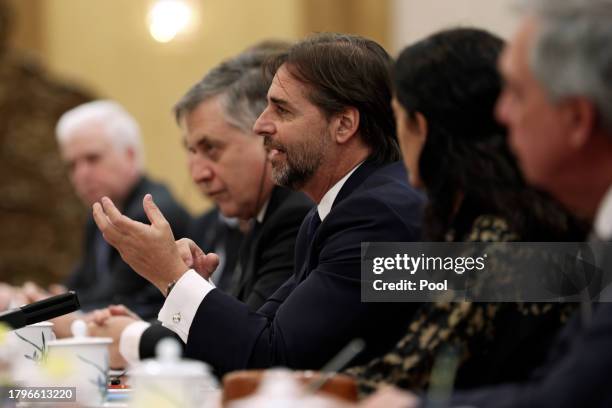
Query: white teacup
[81,362]
[170,382]
[30,344]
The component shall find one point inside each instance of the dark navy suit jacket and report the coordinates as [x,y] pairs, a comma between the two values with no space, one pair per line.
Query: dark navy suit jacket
[266,259]
[319,309]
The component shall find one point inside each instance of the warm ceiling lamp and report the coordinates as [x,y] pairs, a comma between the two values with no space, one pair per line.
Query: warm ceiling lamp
[167,18]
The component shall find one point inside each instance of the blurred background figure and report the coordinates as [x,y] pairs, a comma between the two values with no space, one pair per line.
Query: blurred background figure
[101,146]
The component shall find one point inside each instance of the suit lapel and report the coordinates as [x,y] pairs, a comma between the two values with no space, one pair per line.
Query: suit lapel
[364,171]
[307,253]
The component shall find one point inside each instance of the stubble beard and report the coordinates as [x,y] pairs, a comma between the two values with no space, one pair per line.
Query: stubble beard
[300,164]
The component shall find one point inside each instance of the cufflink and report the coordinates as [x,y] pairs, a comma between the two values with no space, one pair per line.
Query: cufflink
[176,318]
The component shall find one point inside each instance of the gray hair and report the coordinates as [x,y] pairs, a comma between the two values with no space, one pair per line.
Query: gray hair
[572,53]
[117,124]
[241,84]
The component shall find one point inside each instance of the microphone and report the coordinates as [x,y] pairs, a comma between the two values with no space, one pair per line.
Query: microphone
[40,311]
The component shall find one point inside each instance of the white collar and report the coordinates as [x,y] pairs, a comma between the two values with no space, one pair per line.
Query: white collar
[262,212]
[603,218]
[231,222]
[328,199]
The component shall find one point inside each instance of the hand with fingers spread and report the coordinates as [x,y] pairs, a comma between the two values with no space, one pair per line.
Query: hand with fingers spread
[194,257]
[149,249]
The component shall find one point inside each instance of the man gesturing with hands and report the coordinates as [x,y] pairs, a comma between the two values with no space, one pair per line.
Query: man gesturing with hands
[336,143]
[164,261]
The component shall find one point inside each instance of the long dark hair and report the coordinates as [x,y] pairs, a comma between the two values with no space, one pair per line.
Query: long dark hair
[466,166]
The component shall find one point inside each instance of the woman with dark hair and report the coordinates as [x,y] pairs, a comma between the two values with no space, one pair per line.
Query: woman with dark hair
[446,87]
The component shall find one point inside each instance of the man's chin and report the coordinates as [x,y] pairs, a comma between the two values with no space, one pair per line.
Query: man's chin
[288,181]
[228,210]
[280,177]
[540,179]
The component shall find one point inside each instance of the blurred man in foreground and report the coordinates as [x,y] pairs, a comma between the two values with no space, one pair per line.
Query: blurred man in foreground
[557,104]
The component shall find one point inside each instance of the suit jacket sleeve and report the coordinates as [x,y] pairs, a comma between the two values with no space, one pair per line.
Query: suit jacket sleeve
[577,377]
[153,335]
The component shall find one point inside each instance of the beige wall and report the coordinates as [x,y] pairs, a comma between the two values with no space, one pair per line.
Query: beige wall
[414,19]
[369,18]
[26,31]
[105,45]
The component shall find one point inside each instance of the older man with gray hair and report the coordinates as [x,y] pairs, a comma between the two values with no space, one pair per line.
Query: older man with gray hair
[101,145]
[557,104]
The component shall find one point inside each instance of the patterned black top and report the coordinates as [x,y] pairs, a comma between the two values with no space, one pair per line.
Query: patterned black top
[492,342]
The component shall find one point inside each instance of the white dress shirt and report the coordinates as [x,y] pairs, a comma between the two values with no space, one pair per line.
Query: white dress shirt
[182,303]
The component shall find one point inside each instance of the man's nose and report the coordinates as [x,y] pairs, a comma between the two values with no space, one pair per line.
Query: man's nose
[80,171]
[263,125]
[201,170]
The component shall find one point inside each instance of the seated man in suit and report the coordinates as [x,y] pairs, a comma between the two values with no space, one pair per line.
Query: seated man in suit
[329,132]
[229,164]
[557,104]
[101,146]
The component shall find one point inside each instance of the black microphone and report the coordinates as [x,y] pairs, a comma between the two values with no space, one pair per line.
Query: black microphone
[40,311]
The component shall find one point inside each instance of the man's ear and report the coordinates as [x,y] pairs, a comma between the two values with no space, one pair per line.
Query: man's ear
[580,117]
[419,126]
[345,125]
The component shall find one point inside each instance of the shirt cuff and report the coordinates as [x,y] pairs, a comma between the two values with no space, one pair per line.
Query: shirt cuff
[183,302]
[129,342]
